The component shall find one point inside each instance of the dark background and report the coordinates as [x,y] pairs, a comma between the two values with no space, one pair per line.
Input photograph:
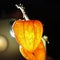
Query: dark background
[46,11]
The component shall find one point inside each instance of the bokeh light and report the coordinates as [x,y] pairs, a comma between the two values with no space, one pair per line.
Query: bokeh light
[3,44]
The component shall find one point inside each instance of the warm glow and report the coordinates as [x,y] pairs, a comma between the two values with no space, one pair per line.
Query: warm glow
[38,54]
[28,33]
[29,37]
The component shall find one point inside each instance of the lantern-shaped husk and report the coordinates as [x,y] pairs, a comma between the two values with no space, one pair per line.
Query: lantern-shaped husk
[28,33]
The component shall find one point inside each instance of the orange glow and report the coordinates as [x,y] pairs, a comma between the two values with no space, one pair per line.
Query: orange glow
[38,54]
[28,33]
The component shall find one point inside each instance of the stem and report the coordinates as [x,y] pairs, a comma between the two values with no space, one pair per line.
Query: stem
[23,11]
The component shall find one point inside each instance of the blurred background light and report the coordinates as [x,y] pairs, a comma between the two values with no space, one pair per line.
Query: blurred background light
[12,50]
[3,43]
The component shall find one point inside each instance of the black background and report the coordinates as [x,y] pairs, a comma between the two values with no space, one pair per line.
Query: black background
[46,11]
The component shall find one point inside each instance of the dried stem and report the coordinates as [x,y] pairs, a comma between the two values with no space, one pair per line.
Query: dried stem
[23,11]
